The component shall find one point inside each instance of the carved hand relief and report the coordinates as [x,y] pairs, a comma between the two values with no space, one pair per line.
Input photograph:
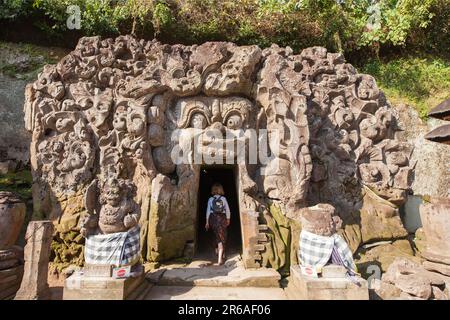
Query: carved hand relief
[301,129]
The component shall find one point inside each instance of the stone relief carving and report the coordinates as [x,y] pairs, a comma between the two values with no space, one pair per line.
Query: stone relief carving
[110,207]
[106,114]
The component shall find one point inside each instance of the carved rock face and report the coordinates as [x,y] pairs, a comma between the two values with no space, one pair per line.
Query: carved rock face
[120,108]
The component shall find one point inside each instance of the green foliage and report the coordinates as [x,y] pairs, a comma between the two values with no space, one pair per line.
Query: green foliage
[13,9]
[397,20]
[162,16]
[33,59]
[422,82]
[366,26]
[19,183]
[98,18]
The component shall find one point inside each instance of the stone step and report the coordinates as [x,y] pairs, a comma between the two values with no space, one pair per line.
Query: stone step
[219,276]
[203,273]
[141,291]
[215,293]
[145,292]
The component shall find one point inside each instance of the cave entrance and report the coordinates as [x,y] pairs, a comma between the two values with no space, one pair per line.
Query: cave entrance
[226,176]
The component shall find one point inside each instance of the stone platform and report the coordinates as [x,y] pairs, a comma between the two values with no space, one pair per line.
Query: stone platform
[302,287]
[201,280]
[81,287]
[231,274]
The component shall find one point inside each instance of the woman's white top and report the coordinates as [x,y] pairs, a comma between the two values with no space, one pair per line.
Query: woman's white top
[225,203]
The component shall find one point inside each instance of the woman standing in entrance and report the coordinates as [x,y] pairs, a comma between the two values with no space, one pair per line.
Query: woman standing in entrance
[218,218]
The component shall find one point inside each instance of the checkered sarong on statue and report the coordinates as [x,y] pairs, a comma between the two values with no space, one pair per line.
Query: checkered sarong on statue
[118,249]
[315,251]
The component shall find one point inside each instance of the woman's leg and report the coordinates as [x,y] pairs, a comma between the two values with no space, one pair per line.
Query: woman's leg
[220,261]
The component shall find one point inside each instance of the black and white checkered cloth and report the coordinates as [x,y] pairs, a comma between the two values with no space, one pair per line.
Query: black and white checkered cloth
[118,249]
[315,251]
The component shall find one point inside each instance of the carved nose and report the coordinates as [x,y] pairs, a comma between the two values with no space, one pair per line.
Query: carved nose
[218,126]
[214,132]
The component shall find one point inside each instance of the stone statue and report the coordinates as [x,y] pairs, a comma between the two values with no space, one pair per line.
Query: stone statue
[115,210]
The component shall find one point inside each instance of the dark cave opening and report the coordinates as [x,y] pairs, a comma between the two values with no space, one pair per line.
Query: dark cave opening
[226,176]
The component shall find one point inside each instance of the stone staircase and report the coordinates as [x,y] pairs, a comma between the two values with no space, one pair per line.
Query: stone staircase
[200,280]
[254,239]
[141,292]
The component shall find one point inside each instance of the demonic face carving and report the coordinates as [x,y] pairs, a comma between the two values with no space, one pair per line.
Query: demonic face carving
[75,158]
[112,193]
[64,125]
[232,112]
[367,88]
[213,123]
[136,124]
[118,211]
[120,119]
[369,128]
[102,102]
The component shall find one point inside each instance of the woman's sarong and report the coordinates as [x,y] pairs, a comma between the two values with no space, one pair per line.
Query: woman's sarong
[218,223]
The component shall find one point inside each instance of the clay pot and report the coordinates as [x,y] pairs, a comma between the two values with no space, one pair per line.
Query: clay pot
[435,216]
[12,214]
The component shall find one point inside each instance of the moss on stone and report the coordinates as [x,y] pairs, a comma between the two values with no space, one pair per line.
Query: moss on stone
[171,243]
[278,249]
[25,61]
[17,182]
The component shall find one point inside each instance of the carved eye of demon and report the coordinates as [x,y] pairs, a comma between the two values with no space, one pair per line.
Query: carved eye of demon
[234,122]
[198,121]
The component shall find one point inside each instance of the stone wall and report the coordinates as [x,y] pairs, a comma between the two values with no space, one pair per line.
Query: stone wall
[432,170]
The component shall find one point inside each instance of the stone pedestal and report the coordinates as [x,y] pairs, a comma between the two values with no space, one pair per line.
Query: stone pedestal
[435,216]
[10,282]
[12,214]
[82,287]
[302,287]
[34,284]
